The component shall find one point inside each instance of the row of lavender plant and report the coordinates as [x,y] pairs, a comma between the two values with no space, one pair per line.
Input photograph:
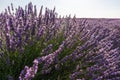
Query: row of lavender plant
[41,46]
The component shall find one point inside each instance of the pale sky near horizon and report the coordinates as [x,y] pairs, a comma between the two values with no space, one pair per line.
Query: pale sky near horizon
[82,8]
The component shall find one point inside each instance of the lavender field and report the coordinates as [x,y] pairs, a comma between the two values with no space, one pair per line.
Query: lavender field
[43,46]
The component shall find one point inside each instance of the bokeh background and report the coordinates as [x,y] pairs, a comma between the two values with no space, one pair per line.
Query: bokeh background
[82,8]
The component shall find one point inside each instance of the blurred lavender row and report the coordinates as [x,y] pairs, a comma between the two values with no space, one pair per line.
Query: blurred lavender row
[89,50]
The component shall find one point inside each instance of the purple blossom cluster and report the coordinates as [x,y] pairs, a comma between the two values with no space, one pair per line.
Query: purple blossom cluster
[20,27]
[29,73]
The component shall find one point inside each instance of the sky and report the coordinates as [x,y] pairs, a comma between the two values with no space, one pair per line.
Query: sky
[80,8]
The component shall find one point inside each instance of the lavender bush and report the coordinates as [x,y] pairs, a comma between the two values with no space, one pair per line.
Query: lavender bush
[42,46]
